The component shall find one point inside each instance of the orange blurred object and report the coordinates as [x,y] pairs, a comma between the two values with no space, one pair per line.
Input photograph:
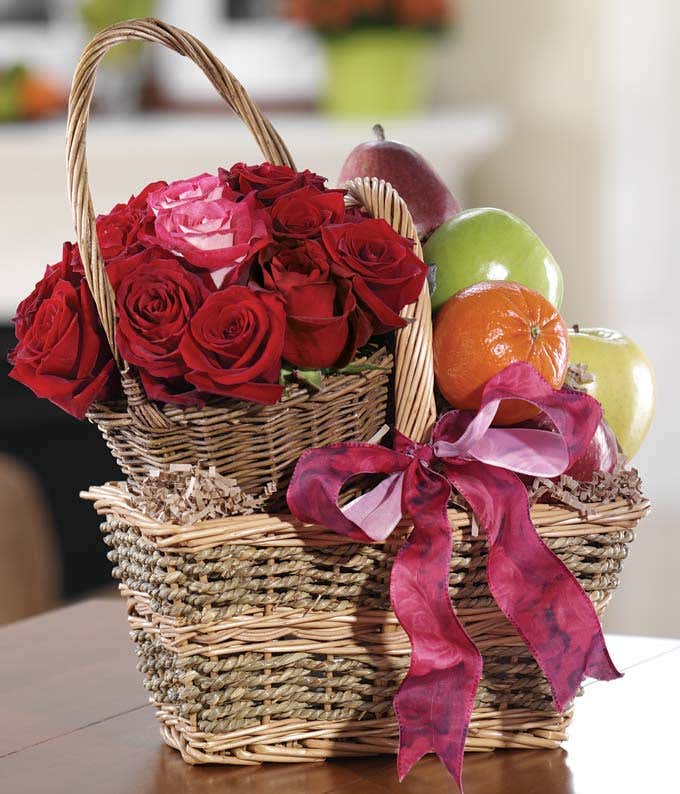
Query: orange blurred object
[484,328]
[39,97]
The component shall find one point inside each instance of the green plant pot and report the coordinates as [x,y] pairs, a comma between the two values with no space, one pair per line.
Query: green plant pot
[376,73]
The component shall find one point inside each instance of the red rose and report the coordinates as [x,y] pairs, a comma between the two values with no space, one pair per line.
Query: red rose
[69,269]
[385,273]
[62,354]
[233,345]
[156,297]
[128,228]
[268,181]
[323,325]
[210,230]
[304,212]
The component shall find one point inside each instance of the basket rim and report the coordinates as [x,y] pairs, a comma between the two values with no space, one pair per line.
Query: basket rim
[294,394]
[273,529]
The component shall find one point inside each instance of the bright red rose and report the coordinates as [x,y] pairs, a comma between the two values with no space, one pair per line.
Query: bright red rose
[385,273]
[156,297]
[303,213]
[268,181]
[128,228]
[323,325]
[211,231]
[234,343]
[62,354]
[69,269]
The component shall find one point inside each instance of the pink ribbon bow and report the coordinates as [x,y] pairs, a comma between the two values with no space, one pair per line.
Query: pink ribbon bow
[532,587]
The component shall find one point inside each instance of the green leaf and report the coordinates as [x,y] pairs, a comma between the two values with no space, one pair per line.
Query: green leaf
[311,377]
[353,369]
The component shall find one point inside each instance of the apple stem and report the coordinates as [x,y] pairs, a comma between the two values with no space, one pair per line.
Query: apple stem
[379,132]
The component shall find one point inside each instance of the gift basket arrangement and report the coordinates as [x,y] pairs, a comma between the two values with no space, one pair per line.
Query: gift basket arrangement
[302,581]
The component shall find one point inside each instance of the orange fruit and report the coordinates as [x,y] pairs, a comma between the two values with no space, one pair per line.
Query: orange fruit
[484,328]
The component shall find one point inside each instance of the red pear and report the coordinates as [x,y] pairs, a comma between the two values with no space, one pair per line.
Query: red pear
[428,198]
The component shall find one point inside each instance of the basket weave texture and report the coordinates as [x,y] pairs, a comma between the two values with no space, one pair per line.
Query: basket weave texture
[261,639]
[254,444]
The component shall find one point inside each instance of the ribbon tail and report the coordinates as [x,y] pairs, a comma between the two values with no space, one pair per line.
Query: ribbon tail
[534,589]
[434,702]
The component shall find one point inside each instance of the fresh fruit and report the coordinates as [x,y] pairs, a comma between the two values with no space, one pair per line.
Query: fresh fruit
[601,454]
[623,381]
[486,327]
[488,244]
[429,200]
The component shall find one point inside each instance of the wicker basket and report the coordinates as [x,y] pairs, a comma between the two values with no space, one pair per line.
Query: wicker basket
[257,445]
[264,640]
[261,639]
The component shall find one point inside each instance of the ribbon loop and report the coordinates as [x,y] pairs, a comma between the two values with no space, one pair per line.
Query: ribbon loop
[531,586]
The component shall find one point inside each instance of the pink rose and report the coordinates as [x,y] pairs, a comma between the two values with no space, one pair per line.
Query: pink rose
[204,187]
[208,227]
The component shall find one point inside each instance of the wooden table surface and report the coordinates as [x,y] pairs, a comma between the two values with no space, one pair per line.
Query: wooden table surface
[74,719]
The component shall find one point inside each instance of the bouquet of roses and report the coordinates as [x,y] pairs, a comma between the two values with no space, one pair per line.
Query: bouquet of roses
[221,282]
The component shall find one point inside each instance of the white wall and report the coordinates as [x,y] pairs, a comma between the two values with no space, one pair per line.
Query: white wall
[592,163]
[641,265]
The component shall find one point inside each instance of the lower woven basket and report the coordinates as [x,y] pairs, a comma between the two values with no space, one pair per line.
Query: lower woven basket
[261,639]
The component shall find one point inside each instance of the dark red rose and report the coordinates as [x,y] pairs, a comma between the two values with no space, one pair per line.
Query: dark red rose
[304,212]
[62,354]
[171,390]
[385,273]
[69,269]
[268,181]
[323,325]
[156,297]
[356,215]
[234,343]
[128,228]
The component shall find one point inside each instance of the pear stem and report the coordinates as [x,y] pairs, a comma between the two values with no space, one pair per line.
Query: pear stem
[379,132]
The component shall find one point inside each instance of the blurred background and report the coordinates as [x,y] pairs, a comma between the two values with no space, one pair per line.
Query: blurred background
[562,111]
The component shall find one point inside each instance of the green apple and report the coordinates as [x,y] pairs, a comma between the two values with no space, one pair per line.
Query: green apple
[623,381]
[488,244]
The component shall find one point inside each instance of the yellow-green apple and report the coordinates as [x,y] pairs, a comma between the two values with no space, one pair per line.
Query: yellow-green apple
[488,244]
[429,200]
[623,381]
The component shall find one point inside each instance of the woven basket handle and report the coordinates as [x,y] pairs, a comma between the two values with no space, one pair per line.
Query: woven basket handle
[415,409]
[414,381]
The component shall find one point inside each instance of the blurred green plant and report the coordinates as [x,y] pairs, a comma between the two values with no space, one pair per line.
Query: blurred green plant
[10,81]
[98,14]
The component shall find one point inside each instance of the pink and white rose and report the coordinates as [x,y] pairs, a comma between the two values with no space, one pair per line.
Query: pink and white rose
[202,220]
